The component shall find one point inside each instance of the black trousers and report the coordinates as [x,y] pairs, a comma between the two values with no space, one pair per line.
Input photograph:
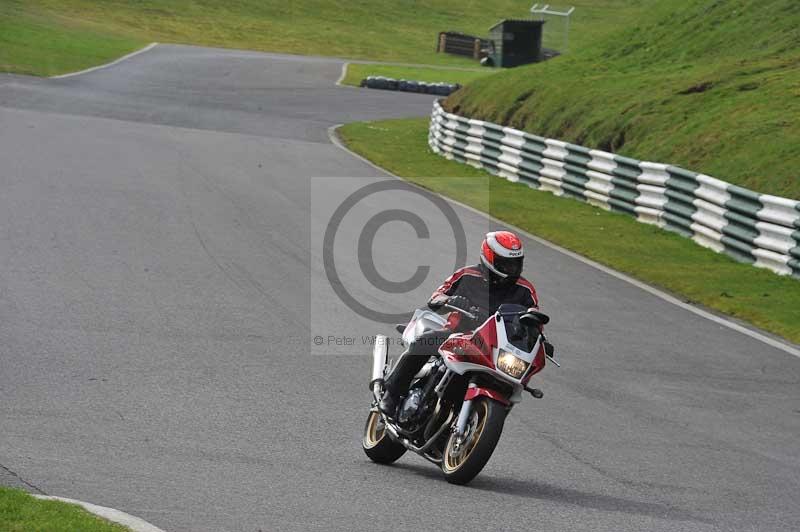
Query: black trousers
[412,360]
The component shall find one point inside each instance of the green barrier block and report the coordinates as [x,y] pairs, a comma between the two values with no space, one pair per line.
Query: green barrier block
[622,206]
[738,250]
[743,201]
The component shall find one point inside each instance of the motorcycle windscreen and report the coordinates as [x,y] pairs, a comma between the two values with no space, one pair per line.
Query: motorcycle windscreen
[520,336]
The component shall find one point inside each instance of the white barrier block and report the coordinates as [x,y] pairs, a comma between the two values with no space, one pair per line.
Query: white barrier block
[775,237]
[508,172]
[474,146]
[653,173]
[651,186]
[556,150]
[707,237]
[600,167]
[709,215]
[476,131]
[596,199]
[781,211]
[554,172]
[651,196]
[509,157]
[599,182]
[649,216]
[712,190]
[772,261]
[550,185]
[513,137]
[602,162]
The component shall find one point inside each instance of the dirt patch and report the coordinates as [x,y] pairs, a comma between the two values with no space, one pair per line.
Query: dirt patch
[748,86]
[514,107]
[700,87]
[615,142]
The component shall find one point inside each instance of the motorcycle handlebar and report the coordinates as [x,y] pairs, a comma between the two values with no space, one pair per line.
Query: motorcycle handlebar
[462,311]
[504,314]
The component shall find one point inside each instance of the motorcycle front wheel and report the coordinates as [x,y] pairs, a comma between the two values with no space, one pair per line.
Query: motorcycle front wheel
[463,458]
[377,444]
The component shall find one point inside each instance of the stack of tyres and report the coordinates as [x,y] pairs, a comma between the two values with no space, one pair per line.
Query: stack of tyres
[422,87]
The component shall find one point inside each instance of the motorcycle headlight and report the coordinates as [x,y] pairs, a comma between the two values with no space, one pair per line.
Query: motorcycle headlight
[511,365]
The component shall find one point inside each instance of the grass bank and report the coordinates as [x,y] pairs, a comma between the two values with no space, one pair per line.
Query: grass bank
[431,74]
[713,86]
[19,512]
[646,252]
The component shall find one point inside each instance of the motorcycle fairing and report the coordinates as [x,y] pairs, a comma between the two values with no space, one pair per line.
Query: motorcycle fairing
[476,391]
[478,352]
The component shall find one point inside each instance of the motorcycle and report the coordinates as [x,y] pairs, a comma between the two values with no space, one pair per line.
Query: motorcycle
[454,410]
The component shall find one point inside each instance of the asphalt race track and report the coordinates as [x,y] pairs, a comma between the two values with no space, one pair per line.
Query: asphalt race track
[162,284]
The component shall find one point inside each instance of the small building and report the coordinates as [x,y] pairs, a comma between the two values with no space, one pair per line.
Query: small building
[516,42]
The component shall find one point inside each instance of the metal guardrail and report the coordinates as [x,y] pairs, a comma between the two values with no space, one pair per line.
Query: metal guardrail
[755,228]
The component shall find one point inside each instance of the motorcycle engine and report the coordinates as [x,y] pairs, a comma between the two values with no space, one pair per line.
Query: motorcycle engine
[412,405]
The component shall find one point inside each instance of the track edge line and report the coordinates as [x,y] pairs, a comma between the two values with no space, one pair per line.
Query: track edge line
[136,524]
[106,65]
[756,335]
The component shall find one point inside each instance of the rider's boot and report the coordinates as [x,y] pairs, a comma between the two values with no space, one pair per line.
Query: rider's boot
[399,380]
[388,404]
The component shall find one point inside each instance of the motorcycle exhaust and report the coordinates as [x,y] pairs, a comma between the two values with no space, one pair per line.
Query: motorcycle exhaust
[380,354]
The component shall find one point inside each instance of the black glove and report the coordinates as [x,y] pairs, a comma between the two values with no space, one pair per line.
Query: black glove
[459,302]
[437,301]
[480,314]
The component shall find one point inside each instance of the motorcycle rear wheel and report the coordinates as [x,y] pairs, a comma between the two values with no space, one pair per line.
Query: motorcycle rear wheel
[462,461]
[377,443]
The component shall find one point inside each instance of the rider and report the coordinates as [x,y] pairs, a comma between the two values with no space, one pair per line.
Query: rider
[478,289]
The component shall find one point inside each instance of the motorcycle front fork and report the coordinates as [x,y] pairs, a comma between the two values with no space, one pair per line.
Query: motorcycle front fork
[463,417]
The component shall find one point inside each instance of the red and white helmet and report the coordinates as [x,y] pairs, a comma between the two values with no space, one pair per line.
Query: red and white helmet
[502,255]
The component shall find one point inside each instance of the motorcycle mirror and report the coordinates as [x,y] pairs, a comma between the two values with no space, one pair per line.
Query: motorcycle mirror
[535,392]
[533,318]
[549,349]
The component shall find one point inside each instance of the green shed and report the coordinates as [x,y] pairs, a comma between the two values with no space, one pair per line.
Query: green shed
[516,42]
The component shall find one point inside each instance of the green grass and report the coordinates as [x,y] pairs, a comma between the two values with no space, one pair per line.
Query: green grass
[646,252]
[358,71]
[19,512]
[710,85]
[45,44]
[386,30]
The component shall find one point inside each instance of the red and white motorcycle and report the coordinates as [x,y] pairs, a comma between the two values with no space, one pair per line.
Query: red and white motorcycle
[453,412]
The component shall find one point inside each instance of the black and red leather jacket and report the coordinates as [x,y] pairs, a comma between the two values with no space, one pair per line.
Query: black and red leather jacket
[471,283]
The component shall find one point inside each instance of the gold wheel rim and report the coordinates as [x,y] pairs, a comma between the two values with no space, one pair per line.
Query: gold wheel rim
[451,462]
[374,431]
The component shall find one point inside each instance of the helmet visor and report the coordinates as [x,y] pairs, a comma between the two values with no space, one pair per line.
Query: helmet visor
[510,266]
